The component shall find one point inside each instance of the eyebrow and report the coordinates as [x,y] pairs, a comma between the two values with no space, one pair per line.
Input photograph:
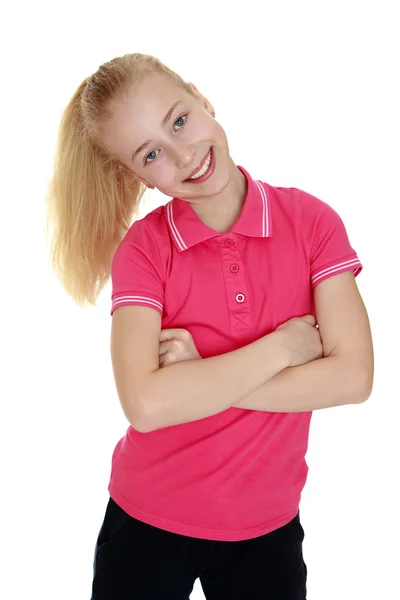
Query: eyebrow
[163,123]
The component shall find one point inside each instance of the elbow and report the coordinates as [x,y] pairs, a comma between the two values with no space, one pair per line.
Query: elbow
[140,420]
[144,405]
[134,414]
[139,425]
[365,385]
[142,426]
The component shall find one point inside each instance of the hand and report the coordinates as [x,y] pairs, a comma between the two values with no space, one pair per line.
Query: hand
[176,345]
[302,339]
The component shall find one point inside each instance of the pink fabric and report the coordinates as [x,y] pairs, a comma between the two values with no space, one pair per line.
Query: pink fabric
[238,474]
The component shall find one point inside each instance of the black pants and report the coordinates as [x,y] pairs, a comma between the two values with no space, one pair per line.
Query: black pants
[136,561]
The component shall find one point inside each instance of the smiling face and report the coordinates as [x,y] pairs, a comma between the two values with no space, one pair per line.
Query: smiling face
[165,136]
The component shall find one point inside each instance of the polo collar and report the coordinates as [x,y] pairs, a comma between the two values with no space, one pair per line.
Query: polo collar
[187,229]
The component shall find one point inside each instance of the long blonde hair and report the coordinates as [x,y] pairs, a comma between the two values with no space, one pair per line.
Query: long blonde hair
[92,197]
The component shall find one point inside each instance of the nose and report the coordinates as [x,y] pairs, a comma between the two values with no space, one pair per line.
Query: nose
[184,154]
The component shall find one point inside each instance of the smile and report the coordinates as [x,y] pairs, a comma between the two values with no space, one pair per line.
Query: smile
[205,169]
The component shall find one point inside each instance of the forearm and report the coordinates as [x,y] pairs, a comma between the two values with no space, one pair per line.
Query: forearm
[195,389]
[323,383]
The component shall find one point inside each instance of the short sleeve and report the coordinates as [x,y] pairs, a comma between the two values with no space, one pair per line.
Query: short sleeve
[136,270]
[330,250]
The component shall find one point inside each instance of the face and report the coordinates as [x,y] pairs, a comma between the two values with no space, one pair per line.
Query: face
[169,139]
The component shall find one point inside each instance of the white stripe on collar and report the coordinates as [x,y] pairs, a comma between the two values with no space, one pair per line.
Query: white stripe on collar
[265,221]
[173,227]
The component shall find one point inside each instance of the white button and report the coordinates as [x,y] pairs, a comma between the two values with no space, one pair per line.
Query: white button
[239,298]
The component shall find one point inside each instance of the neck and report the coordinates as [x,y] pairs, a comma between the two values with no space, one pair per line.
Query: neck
[220,212]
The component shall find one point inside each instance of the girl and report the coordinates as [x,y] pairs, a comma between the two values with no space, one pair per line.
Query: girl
[217,359]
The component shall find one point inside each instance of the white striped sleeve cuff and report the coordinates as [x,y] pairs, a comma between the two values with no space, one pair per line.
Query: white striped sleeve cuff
[125,299]
[354,264]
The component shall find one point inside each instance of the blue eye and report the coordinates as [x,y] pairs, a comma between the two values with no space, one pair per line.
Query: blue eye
[180,122]
[183,119]
[149,157]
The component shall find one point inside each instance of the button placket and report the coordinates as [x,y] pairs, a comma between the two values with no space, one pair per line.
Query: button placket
[237,296]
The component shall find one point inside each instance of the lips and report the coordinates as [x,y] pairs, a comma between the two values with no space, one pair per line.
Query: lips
[198,168]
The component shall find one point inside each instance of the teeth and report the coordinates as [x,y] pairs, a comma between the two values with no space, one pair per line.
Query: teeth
[204,168]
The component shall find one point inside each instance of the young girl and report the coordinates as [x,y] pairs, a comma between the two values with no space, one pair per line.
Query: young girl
[217,359]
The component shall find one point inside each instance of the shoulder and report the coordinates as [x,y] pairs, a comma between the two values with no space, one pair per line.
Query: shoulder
[296,198]
[294,206]
[313,213]
[146,241]
[312,207]
[152,225]
[149,234]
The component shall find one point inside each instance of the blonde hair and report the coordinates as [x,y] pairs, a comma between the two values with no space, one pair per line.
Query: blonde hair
[92,197]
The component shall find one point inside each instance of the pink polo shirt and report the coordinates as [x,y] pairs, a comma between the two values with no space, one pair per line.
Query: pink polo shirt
[238,474]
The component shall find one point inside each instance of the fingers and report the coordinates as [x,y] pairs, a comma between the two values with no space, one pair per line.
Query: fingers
[175,334]
[166,361]
[162,362]
[164,347]
[310,319]
[174,346]
[171,352]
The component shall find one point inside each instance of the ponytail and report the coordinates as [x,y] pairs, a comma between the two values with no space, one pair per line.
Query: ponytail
[92,197]
[90,203]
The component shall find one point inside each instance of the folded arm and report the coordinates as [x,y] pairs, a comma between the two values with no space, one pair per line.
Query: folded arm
[344,375]
[154,397]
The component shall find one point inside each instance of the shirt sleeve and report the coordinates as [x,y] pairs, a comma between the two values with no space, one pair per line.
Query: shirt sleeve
[136,270]
[330,250]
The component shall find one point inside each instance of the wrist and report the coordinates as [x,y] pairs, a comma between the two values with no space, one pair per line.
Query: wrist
[283,353]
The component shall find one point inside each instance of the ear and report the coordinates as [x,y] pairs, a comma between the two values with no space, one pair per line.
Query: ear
[202,99]
[146,183]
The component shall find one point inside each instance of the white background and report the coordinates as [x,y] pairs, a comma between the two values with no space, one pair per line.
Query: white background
[306,92]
